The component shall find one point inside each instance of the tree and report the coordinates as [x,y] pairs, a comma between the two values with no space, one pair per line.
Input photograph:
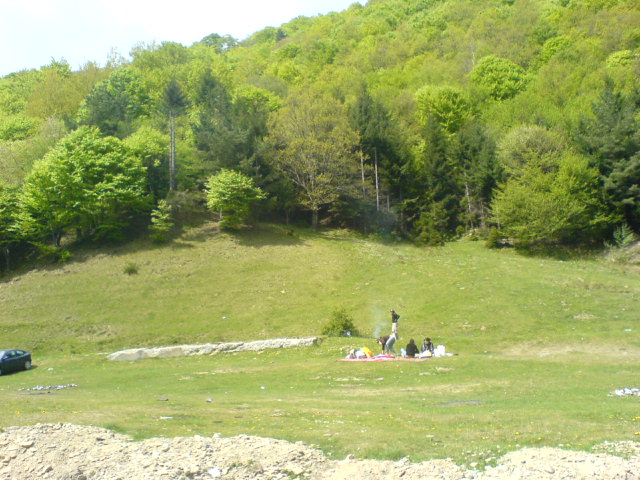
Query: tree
[9,235]
[17,127]
[434,207]
[150,146]
[231,193]
[220,43]
[216,129]
[113,103]
[89,183]
[559,205]
[499,76]
[529,143]
[59,93]
[611,137]
[17,157]
[378,141]
[473,151]
[314,147]
[448,105]
[174,102]
[161,223]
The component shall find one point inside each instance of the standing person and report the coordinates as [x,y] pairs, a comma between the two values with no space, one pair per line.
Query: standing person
[412,349]
[394,322]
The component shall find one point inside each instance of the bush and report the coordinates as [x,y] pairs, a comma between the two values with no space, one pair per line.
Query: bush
[161,223]
[130,268]
[494,239]
[52,254]
[340,325]
[623,236]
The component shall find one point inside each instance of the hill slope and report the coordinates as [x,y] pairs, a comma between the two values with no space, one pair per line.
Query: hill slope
[208,286]
[539,344]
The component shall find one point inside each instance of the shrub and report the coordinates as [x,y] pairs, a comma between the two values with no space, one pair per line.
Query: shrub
[130,268]
[340,324]
[52,254]
[494,238]
[161,223]
[231,194]
[623,236]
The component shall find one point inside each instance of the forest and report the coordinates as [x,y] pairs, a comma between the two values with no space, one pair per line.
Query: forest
[516,121]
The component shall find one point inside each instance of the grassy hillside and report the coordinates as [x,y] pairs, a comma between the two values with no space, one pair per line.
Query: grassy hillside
[208,286]
[540,343]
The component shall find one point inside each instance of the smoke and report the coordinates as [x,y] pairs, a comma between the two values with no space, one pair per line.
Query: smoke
[380,321]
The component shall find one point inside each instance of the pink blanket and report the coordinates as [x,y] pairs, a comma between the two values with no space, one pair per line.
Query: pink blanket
[377,358]
[381,358]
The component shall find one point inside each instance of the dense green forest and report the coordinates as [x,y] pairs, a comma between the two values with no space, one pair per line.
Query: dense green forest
[423,119]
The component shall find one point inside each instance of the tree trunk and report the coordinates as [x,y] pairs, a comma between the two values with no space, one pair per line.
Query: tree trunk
[314,219]
[172,152]
[7,252]
[377,183]
[364,193]
[468,195]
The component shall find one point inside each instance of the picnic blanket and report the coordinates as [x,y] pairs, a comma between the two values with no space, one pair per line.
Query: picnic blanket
[382,358]
[377,358]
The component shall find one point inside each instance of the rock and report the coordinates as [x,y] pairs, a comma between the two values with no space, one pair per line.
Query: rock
[134,354]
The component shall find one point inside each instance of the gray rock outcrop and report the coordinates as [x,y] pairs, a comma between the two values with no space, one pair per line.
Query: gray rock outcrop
[133,354]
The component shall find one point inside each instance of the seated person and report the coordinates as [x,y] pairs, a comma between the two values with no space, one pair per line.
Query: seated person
[412,349]
[427,346]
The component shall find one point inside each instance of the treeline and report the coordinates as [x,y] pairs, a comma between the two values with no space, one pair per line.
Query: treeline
[425,119]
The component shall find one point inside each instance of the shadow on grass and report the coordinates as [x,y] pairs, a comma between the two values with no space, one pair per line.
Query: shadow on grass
[560,252]
[269,235]
[256,237]
[16,372]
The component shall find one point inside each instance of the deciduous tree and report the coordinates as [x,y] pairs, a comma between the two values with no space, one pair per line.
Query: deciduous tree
[231,194]
[90,183]
[314,146]
[543,205]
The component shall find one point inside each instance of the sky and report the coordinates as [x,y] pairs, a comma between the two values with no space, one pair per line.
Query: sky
[33,32]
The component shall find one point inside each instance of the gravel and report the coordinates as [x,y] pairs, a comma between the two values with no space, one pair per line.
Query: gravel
[65,451]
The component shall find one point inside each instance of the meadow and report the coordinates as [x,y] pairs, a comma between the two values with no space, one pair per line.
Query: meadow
[538,343]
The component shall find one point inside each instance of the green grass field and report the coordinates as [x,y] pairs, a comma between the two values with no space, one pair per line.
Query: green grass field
[539,343]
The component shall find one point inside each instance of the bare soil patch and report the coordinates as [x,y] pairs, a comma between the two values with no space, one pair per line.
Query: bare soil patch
[74,452]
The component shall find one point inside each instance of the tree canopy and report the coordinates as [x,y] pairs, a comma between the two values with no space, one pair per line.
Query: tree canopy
[414,118]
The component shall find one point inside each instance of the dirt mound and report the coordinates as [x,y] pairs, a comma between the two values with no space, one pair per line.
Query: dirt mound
[73,452]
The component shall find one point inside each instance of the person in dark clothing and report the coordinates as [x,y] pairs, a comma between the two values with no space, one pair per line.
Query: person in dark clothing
[427,346]
[394,322]
[412,349]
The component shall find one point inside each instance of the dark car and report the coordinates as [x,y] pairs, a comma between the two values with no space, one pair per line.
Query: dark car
[12,360]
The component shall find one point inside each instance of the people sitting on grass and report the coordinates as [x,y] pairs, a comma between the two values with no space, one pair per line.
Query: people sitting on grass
[412,349]
[427,348]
